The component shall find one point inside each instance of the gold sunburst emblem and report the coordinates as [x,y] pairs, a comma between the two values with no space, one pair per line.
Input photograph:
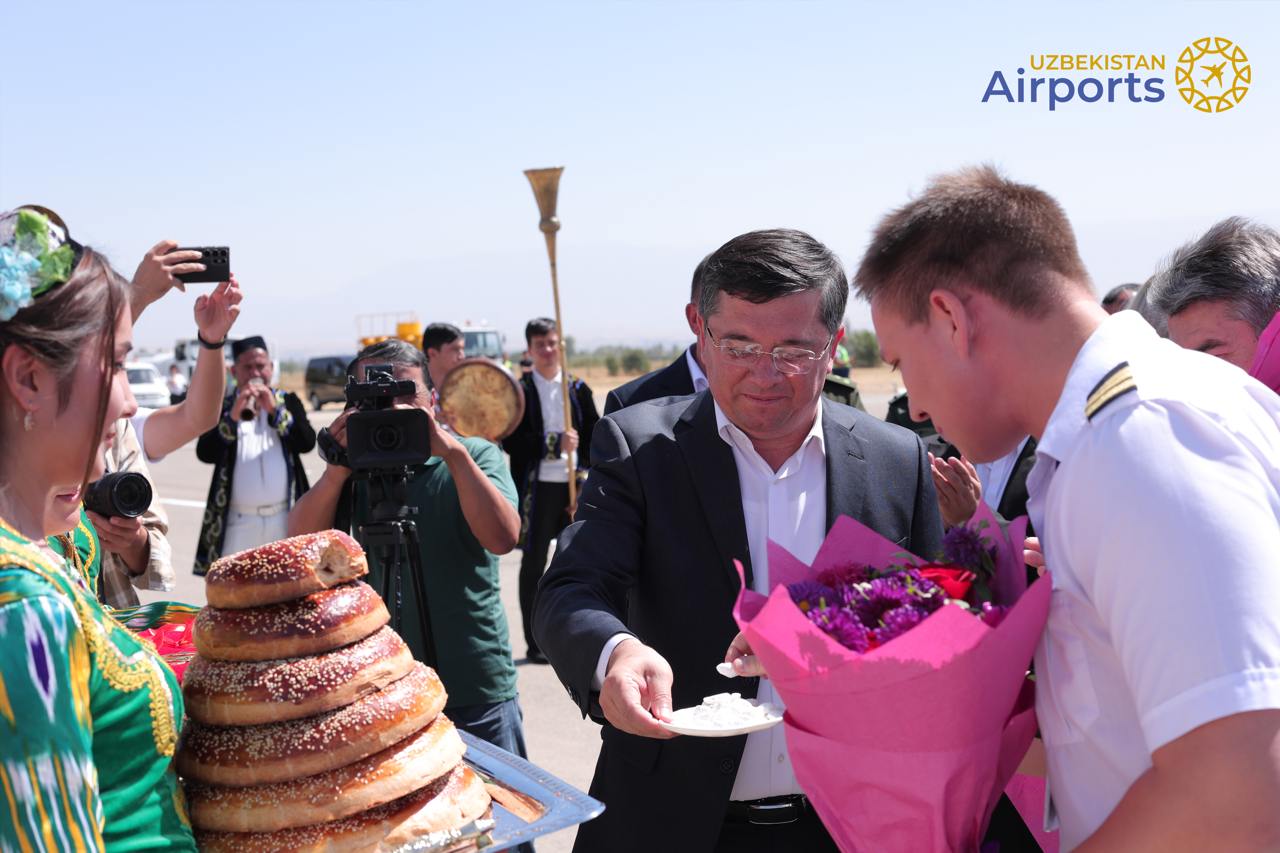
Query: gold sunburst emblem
[1213,74]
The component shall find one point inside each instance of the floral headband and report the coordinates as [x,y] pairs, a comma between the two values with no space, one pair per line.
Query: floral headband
[36,255]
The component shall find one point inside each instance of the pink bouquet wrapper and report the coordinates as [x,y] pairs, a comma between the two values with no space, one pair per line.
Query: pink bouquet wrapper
[909,746]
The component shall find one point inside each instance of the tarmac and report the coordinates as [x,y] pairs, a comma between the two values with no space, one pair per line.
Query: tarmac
[559,740]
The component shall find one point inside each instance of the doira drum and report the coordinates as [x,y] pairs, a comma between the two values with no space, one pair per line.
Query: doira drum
[480,398]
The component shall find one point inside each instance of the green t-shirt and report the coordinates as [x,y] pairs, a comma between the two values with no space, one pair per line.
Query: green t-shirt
[473,649]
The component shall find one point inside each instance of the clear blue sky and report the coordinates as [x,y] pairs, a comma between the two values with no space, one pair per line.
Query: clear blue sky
[367,156]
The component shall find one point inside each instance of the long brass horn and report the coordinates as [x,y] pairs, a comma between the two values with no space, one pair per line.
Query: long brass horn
[546,186]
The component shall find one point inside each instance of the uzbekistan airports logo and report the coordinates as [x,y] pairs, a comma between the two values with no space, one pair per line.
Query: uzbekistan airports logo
[1212,75]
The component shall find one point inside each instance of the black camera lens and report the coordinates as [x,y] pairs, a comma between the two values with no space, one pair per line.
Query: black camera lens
[386,438]
[124,493]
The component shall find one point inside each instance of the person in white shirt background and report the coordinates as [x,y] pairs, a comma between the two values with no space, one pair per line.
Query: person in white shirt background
[1156,495]
[256,452]
[542,448]
[681,377]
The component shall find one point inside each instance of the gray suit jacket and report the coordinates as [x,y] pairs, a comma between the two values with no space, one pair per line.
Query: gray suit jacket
[651,552]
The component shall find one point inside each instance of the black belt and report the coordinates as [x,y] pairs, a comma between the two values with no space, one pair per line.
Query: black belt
[770,810]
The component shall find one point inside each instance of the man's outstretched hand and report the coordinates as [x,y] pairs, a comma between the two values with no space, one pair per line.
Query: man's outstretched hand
[637,690]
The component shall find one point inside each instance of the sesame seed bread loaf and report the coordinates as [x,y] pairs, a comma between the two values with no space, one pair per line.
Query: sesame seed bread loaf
[279,752]
[284,570]
[382,777]
[448,802]
[250,693]
[316,623]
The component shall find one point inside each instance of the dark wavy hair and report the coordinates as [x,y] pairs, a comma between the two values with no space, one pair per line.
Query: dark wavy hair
[761,266]
[75,320]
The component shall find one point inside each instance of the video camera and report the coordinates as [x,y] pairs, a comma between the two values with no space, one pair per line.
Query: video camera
[378,435]
[382,442]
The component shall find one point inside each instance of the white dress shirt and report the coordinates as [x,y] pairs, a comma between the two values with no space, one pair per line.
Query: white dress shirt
[1160,521]
[551,399]
[994,476]
[699,378]
[788,506]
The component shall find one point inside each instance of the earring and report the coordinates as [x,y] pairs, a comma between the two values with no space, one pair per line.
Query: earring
[28,422]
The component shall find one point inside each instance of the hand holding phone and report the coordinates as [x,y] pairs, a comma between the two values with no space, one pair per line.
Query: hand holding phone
[217,264]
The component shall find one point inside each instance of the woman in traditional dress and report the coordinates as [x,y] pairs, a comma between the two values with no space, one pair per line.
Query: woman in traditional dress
[89,714]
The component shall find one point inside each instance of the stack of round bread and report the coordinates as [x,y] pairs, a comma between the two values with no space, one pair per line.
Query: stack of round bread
[312,727]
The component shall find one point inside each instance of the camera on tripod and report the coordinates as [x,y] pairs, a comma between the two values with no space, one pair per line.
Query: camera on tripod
[378,435]
[382,443]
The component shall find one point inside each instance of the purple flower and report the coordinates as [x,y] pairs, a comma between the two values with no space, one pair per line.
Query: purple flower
[928,595]
[899,621]
[877,597]
[993,614]
[963,546]
[842,627]
[837,577]
[811,595]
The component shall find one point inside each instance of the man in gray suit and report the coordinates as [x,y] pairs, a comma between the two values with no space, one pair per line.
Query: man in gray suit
[636,609]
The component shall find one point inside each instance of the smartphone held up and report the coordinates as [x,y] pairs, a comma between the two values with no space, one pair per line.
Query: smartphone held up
[217,264]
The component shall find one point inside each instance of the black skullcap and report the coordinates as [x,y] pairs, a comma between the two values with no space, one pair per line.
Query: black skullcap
[243,345]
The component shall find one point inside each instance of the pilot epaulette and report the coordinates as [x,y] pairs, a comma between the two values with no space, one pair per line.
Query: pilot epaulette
[1117,383]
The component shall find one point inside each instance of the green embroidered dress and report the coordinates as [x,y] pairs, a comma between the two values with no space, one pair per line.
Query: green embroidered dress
[89,718]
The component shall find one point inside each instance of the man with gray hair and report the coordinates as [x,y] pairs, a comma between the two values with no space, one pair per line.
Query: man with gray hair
[1222,291]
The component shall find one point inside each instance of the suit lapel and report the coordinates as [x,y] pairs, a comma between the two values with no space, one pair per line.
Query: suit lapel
[846,464]
[715,480]
[674,381]
[1015,490]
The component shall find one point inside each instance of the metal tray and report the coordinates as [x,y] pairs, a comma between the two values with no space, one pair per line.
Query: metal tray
[547,804]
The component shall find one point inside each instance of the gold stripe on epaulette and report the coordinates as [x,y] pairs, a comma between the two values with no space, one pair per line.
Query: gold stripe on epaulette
[1118,382]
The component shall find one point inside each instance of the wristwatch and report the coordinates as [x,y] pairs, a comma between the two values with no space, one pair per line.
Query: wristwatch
[207,344]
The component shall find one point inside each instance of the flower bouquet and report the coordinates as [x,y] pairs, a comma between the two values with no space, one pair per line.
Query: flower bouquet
[908,704]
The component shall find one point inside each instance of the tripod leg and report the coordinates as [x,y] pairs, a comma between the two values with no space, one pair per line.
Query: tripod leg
[419,590]
[392,590]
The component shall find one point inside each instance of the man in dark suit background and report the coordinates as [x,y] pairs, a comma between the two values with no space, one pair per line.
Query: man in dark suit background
[680,378]
[636,609]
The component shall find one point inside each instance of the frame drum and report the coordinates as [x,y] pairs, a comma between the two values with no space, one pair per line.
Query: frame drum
[480,398]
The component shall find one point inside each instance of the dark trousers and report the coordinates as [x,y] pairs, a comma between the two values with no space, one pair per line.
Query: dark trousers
[501,724]
[549,516]
[806,834]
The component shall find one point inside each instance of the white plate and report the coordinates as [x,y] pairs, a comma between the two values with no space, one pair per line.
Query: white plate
[680,724]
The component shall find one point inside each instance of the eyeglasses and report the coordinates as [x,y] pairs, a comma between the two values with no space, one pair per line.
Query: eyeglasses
[791,361]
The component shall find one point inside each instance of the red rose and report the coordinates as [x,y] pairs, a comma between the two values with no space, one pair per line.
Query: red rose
[956,583]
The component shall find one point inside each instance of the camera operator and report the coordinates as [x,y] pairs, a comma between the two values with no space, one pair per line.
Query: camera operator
[467,516]
[256,449]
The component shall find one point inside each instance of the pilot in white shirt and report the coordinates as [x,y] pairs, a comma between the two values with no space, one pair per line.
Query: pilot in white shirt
[1156,493]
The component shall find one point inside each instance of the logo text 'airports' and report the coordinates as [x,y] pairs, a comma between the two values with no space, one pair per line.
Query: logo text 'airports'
[1212,75]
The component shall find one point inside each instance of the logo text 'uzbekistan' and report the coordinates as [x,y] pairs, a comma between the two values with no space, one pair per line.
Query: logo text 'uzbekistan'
[1212,74]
